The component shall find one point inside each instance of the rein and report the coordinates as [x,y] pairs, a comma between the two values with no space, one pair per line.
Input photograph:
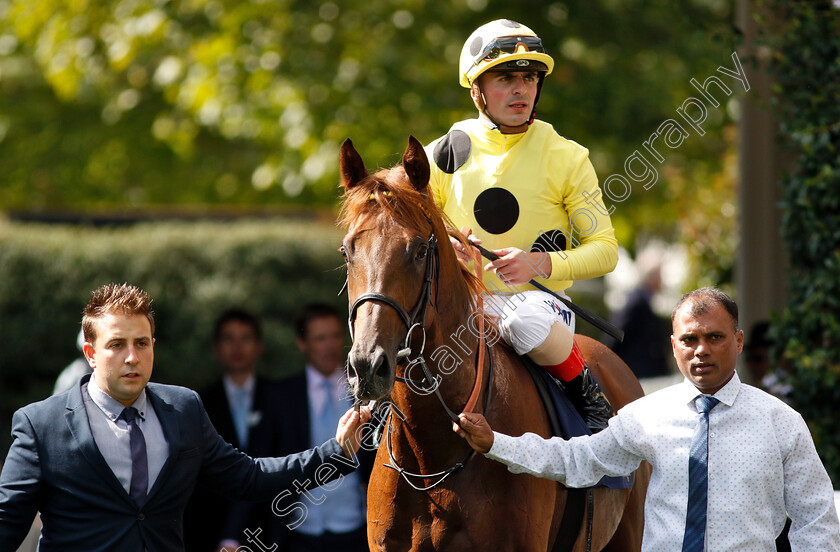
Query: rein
[442,475]
[429,384]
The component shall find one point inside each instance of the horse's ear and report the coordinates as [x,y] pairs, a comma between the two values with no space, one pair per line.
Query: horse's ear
[350,165]
[416,164]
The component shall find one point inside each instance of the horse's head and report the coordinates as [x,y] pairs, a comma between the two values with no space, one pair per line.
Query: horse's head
[391,254]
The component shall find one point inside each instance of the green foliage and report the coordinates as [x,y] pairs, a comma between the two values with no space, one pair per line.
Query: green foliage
[805,38]
[192,271]
[139,103]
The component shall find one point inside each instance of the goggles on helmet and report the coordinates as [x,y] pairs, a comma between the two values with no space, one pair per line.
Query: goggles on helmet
[508,45]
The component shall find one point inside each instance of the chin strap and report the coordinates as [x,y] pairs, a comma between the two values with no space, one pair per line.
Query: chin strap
[482,107]
[540,80]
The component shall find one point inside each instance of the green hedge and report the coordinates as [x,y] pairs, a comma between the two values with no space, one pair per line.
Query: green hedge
[193,271]
[805,39]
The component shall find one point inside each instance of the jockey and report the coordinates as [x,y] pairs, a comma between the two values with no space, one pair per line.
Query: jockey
[511,182]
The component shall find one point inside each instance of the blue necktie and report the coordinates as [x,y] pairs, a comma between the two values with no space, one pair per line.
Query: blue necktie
[698,478]
[328,420]
[139,462]
[240,416]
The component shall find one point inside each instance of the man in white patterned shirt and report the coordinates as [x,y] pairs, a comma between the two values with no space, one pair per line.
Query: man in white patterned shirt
[762,464]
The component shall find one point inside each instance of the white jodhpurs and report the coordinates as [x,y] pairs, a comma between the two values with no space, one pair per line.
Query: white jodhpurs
[525,318]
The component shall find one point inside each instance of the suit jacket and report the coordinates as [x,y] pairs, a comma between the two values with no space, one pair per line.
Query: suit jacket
[55,467]
[209,518]
[293,395]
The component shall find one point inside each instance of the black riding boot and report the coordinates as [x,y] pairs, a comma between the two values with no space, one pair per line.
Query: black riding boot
[586,396]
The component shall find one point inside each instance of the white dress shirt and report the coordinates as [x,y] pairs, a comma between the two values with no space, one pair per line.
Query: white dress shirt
[241,401]
[110,432]
[762,467]
[343,508]
[315,389]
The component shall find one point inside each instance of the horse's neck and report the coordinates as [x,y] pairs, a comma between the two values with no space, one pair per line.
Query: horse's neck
[450,355]
[453,341]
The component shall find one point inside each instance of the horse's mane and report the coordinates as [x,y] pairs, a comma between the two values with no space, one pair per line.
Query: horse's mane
[389,191]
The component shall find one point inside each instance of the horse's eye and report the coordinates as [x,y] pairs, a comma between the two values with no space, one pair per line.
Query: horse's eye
[422,252]
[343,252]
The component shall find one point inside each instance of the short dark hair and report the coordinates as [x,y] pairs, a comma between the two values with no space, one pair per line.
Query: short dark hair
[311,312]
[702,300]
[238,315]
[123,299]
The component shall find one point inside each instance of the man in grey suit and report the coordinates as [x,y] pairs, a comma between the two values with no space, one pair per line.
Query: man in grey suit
[111,463]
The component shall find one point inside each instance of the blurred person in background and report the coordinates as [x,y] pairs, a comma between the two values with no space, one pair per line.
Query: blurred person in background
[774,380]
[312,402]
[645,334]
[74,371]
[246,410]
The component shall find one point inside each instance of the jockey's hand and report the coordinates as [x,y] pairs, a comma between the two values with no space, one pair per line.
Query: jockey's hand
[461,252]
[519,267]
[348,434]
[475,429]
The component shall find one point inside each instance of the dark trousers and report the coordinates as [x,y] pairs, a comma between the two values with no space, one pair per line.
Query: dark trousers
[354,541]
[782,542]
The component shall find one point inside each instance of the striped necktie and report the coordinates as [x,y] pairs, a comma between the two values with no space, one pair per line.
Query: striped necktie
[698,478]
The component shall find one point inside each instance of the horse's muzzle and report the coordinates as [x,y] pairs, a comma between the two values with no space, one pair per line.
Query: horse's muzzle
[370,374]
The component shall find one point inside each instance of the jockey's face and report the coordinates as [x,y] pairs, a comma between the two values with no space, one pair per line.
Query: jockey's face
[509,95]
[706,346]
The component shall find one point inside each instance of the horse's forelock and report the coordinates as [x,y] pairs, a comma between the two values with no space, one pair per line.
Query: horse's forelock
[389,192]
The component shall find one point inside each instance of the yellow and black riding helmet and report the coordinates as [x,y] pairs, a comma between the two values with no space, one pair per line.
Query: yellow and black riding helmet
[503,45]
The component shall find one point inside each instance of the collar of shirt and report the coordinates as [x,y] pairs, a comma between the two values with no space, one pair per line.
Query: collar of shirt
[111,407]
[231,388]
[315,387]
[726,394]
[484,131]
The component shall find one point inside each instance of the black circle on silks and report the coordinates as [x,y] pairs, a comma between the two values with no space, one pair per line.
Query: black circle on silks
[496,210]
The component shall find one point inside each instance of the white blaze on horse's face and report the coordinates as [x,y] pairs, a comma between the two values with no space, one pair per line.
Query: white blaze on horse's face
[386,264]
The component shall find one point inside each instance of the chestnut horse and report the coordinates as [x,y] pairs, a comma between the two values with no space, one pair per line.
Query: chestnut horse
[410,319]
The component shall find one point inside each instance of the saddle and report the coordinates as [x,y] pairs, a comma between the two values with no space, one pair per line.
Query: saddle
[563,417]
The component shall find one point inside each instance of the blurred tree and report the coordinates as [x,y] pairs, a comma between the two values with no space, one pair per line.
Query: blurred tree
[804,38]
[138,103]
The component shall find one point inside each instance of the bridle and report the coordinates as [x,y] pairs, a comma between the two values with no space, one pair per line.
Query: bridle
[429,384]
[417,317]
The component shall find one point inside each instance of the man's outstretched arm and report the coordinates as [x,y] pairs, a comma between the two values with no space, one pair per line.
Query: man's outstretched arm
[578,462]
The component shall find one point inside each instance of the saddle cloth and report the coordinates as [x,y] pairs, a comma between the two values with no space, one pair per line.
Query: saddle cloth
[565,420]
